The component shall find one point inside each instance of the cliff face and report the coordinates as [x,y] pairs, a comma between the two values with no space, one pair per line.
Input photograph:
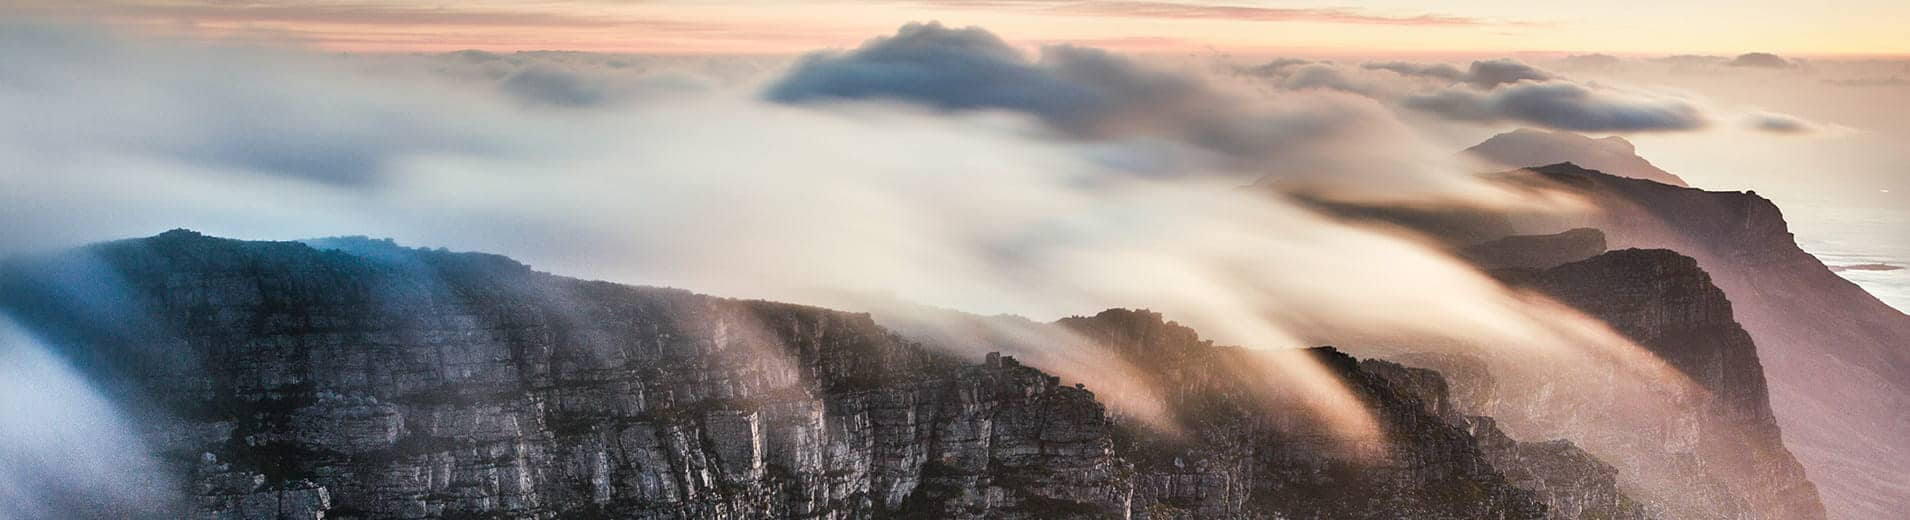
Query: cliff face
[434,385]
[1240,459]
[1836,358]
[370,381]
[1683,415]
[1663,302]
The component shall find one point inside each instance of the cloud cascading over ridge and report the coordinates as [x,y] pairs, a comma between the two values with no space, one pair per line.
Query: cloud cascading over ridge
[988,203]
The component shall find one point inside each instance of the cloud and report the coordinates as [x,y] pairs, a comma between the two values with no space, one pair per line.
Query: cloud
[1484,74]
[553,86]
[1094,95]
[1276,67]
[288,122]
[948,69]
[1763,60]
[1870,81]
[865,177]
[1563,106]
[1169,10]
[1778,123]
[65,450]
[1487,74]
[1593,62]
[1430,70]
[1326,77]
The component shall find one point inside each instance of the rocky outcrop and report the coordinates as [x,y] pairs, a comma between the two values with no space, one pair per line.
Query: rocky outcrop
[1835,356]
[358,379]
[1572,483]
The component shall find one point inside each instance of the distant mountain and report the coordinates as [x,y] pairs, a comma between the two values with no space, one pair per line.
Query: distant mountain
[1527,147]
[354,378]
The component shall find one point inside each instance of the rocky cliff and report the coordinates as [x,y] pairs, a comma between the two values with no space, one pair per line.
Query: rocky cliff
[357,379]
[1836,358]
[1664,302]
[1572,482]
[1681,411]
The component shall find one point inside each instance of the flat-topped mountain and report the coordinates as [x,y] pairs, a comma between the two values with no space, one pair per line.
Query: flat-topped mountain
[1526,147]
[358,379]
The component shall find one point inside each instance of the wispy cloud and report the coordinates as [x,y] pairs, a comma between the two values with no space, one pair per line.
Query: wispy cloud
[432,26]
[1175,10]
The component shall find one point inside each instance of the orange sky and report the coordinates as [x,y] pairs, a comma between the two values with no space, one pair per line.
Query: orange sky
[1844,28]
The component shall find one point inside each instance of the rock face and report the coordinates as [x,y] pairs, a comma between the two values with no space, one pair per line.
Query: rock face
[1663,302]
[1573,483]
[1526,147]
[1836,358]
[363,380]
[1239,460]
[1714,451]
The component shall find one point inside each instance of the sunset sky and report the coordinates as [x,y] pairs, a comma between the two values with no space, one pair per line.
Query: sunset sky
[1848,28]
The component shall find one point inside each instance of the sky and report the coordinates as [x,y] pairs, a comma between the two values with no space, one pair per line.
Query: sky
[1468,27]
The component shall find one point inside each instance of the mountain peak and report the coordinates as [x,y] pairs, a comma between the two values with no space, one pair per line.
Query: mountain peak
[1528,147]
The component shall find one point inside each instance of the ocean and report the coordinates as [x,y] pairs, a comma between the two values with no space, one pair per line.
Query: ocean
[1869,245]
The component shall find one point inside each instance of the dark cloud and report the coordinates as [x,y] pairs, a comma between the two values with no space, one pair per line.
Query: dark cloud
[1492,73]
[1870,81]
[545,85]
[1430,70]
[1761,60]
[1779,124]
[948,69]
[1277,67]
[1562,106]
[1090,94]
[1320,76]
[1483,74]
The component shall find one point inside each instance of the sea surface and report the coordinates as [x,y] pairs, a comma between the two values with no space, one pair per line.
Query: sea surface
[1850,237]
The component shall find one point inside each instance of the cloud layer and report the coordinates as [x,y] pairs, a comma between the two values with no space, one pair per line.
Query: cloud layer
[1092,95]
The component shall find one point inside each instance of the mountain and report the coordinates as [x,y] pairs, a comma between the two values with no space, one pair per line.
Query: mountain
[1527,147]
[1699,442]
[355,378]
[1836,358]
[1665,303]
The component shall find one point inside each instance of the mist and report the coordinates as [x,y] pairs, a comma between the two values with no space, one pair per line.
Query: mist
[65,451]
